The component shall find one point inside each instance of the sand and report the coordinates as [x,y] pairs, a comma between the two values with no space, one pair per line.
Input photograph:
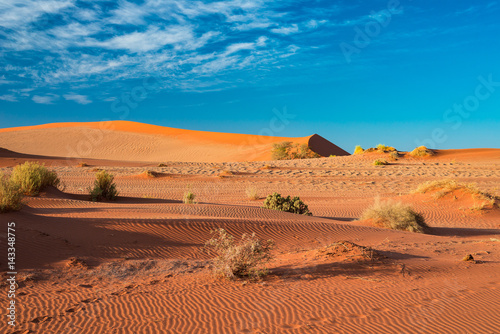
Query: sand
[137,265]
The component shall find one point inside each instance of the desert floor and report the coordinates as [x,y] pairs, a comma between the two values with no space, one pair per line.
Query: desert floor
[137,265]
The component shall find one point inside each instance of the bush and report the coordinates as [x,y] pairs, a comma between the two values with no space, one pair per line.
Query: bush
[447,186]
[394,155]
[31,177]
[384,148]
[358,150]
[245,259]
[293,205]
[189,197]
[104,188]
[11,195]
[396,216]
[421,151]
[252,193]
[380,162]
[287,151]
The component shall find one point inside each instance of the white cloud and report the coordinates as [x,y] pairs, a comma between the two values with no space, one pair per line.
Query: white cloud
[17,13]
[81,99]
[233,48]
[292,29]
[46,99]
[8,97]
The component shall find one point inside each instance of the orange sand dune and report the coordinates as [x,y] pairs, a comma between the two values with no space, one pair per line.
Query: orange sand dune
[131,141]
[473,154]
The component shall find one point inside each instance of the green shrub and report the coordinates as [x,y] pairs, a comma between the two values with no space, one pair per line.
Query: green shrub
[421,151]
[104,188]
[287,151]
[189,197]
[358,150]
[11,195]
[31,177]
[245,259]
[293,205]
[380,162]
[396,216]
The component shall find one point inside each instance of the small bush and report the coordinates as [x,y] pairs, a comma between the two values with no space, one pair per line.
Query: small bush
[162,165]
[189,197]
[287,151]
[11,195]
[380,162]
[82,164]
[358,150]
[252,193]
[31,177]
[384,148]
[396,216]
[394,155]
[421,151]
[104,188]
[245,259]
[293,205]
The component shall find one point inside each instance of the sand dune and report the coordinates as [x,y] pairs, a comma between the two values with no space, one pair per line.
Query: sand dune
[131,141]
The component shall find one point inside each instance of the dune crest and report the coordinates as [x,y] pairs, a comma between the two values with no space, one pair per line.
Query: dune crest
[131,141]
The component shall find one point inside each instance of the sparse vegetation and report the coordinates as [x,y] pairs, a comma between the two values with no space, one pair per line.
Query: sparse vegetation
[293,205]
[287,150]
[244,259]
[396,216]
[31,177]
[252,193]
[421,151]
[11,195]
[104,187]
[83,164]
[162,165]
[358,150]
[380,162]
[384,148]
[189,197]
[394,155]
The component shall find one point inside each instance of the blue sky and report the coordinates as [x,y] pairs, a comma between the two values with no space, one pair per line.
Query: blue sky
[402,73]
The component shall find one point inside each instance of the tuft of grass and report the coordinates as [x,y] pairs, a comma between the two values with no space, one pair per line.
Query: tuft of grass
[31,177]
[384,148]
[104,187]
[189,197]
[358,150]
[267,167]
[287,204]
[244,259]
[380,162]
[287,150]
[396,216]
[11,195]
[448,186]
[332,156]
[422,151]
[82,164]
[162,165]
[252,193]
[394,155]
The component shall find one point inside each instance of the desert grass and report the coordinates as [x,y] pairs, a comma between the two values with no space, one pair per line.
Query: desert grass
[393,156]
[395,216]
[247,258]
[82,164]
[380,162]
[384,148]
[11,196]
[104,187]
[189,197]
[162,165]
[286,204]
[448,186]
[358,150]
[421,151]
[252,193]
[31,177]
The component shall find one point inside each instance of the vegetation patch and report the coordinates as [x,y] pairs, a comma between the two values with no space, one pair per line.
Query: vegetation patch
[358,150]
[11,195]
[82,164]
[422,151]
[395,216]
[31,177]
[189,197]
[252,193]
[104,187]
[380,162]
[287,204]
[247,258]
[287,150]
[162,165]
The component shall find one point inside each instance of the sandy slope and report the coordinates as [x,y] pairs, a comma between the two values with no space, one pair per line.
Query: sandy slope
[123,140]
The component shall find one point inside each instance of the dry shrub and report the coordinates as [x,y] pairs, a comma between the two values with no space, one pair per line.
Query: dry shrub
[421,151]
[384,148]
[11,195]
[31,177]
[189,197]
[396,216]
[380,162]
[244,259]
[358,150]
[82,164]
[104,187]
[287,150]
[162,165]
[252,193]
[394,155]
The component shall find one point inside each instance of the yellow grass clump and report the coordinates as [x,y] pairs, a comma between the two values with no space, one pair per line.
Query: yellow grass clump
[31,177]
[11,195]
[421,151]
[448,186]
[358,150]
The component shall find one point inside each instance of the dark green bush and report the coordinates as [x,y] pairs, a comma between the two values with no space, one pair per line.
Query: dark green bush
[104,188]
[293,205]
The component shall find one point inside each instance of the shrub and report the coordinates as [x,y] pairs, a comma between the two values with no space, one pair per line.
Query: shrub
[245,259]
[31,177]
[384,148]
[162,165]
[380,162]
[394,155]
[287,151]
[358,150]
[396,216]
[189,197]
[293,205]
[252,193]
[82,164]
[447,186]
[104,188]
[421,151]
[11,195]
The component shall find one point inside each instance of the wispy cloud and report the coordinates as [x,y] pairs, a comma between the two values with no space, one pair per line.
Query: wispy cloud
[45,99]
[292,29]
[8,97]
[80,99]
